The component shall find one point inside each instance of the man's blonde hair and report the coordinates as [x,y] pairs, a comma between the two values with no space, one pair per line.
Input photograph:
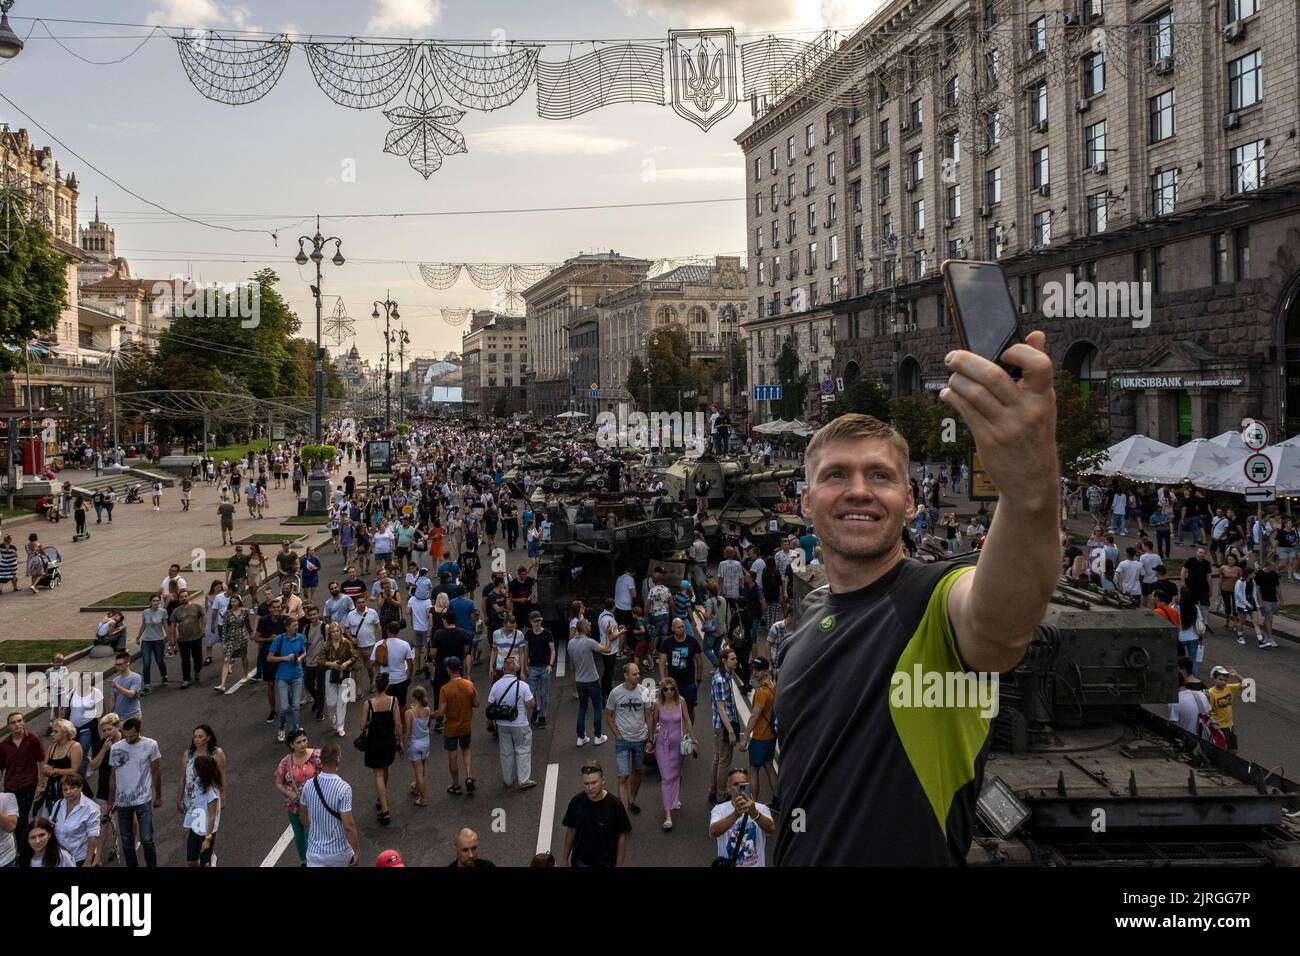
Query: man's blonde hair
[854,426]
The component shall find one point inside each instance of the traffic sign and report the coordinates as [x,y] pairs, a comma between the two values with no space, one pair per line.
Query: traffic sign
[593,393]
[1254,434]
[767,393]
[1258,469]
[1261,494]
[839,384]
[828,387]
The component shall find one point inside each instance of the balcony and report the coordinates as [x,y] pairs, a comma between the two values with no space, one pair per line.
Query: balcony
[69,370]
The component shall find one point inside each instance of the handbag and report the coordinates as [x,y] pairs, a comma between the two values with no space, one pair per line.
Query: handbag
[735,847]
[499,711]
[363,737]
[688,745]
[1200,624]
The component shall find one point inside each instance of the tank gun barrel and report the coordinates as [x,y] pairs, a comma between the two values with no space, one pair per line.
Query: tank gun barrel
[779,474]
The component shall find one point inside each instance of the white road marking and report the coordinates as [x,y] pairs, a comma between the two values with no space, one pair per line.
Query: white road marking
[238,684]
[281,845]
[547,825]
[561,659]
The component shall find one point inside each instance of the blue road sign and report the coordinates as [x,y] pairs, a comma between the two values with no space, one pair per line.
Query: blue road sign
[767,393]
[593,393]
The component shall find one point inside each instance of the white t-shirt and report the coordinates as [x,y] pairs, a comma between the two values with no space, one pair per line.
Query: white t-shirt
[419,613]
[196,818]
[504,692]
[1149,561]
[1186,713]
[607,626]
[382,542]
[84,709]
[624,592]
[1130,576]
[660,599]
[8,807]
[166,586]
[398,653]
[133,770]
[364,629]
[753,847]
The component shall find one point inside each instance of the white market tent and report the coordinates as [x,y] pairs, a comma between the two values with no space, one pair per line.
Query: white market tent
[1285,480]
[773,427]
[1124,457]
[1193,461]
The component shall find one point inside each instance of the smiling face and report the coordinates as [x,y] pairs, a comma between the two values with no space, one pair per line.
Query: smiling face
[858,497]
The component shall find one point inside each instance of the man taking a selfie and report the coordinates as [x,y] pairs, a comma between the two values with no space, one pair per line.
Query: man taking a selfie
[886,776]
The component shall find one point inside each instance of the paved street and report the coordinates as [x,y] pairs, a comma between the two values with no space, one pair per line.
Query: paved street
[133,555]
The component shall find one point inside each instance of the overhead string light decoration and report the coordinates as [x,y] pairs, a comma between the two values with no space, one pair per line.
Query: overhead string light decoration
[231,70]
[338,326]
[615,73]
[456,316]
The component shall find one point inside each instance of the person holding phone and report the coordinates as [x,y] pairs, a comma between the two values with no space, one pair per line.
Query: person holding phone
[891,784]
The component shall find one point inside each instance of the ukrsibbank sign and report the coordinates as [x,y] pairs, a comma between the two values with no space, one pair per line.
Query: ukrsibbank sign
[1171,381]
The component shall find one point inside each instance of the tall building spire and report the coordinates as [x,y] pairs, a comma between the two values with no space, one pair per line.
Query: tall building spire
[96,209]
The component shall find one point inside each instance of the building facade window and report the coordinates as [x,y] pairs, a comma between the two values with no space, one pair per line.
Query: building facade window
[1094,74]
[1245,81]
[1240,9]
[1039,167]
[952,91]
[1097,204]
[1162,116]
[1094,144]
[993,127]
[1241,240]
[918,215]
[1164,192]
[917,113]
[1247,166]
[1043,228]
[1160,33]
[916,165]
[1038,36]
[992,66]
[993,186]
[952,146]
[1038,104]
[954,201]
[1219,256]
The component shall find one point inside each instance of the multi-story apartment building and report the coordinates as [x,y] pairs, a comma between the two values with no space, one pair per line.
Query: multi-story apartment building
[549,307]
[707,301]
[1150,141]
[494,354]
[67,372]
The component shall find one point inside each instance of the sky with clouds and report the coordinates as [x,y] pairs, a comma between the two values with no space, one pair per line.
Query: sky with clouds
[292,154]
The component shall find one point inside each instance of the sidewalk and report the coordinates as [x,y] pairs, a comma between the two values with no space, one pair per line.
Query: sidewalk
[130,554]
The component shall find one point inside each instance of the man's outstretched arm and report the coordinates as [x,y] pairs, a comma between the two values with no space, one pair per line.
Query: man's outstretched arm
[995,609]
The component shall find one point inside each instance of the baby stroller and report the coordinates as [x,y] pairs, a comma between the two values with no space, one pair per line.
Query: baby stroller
[133,495]
[52,562]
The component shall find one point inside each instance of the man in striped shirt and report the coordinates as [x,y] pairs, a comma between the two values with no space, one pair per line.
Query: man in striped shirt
[325,809]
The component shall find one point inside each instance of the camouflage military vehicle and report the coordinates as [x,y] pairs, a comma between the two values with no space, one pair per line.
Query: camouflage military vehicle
[740,497]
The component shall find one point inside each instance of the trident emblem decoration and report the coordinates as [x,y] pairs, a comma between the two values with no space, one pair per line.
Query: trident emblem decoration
[702,66]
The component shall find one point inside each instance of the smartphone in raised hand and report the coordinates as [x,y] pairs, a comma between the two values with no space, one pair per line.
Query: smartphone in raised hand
[981,308]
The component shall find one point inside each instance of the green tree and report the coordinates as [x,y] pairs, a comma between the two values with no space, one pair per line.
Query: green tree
[501,409]
[1081,425]
[864,397]
[33,284]
[669,372]
[794,385]
[918,421]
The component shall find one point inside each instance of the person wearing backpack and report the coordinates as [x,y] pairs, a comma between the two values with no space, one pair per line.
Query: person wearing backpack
[287,652]
[760,731]
[509,703]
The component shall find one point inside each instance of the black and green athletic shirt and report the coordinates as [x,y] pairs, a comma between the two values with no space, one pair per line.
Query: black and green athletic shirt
[866,781]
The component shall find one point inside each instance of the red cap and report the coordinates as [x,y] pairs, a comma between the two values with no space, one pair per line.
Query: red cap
[389,858]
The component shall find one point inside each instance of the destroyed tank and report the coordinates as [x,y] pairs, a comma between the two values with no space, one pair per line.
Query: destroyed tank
[741,500]
[1085,769]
